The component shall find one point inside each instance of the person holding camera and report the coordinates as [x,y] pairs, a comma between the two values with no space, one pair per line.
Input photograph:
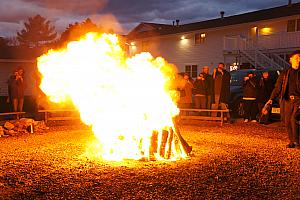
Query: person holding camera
[265,87]
[221,86]
[287,88]
[200,93]
[16,91]
[185,100]
[250,86]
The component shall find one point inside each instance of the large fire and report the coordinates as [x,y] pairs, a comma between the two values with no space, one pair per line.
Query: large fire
[126,101]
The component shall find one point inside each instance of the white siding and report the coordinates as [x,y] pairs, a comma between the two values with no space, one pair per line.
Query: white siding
[210,53]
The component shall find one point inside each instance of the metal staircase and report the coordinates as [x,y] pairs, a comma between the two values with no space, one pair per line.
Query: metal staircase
[254,53]
[262,58]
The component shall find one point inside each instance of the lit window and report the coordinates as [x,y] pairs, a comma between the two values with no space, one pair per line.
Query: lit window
[266,31]
[199,38]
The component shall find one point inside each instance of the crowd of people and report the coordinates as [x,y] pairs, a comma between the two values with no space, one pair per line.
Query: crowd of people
[208,91]
[213,92]
[256,93]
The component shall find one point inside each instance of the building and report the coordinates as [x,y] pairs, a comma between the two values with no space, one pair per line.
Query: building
[12,58]
[259,39]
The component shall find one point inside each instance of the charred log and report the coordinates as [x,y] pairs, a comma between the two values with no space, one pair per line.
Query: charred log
[163,143]
[153,145]
[170,140]
[186,147]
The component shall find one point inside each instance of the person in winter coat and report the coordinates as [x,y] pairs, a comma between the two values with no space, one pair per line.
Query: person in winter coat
[186,100]
[287,88]
[221,82]
[16,91]
[200,92]
[250,87]
[209,86]
[265,88]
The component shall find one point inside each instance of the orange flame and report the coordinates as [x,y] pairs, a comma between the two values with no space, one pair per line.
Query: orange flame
[123,99]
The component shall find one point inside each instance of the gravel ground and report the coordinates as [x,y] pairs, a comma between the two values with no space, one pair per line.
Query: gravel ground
[236,161]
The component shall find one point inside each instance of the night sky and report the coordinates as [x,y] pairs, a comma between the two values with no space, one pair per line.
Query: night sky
[121,15]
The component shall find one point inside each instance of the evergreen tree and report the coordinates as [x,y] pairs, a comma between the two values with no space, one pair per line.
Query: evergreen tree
[77,30]
[37,32]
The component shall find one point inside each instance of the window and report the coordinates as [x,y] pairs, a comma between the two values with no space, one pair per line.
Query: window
[192,70]
[199,38]
[188,69]
[298,25]
[291,25]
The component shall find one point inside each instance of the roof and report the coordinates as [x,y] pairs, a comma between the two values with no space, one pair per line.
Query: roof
[144,29]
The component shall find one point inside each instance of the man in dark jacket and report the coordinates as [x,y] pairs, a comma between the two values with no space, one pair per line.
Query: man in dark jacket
[200,92]
[250,97]
[209,86]
[265,88]
[221,79]
[16,91]
[287,88]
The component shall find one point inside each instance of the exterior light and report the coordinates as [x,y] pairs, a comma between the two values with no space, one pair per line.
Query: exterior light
[132,43]
[266,31]
[183,37]
[202,35]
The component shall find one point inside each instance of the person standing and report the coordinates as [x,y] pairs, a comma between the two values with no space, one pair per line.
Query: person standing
[265,88]
[200,92]
[209,86]
[250,87]
[186,100]
[287,88]
[21,88]
[16,91]
[221,83]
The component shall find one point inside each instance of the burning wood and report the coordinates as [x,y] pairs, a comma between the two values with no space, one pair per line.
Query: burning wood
[128,102]
[162,143]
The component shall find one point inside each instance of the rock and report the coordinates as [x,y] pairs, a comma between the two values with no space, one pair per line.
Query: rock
[9,132]
[26,121]
[17,124]
[12,132]
[8,125]
[40,125]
